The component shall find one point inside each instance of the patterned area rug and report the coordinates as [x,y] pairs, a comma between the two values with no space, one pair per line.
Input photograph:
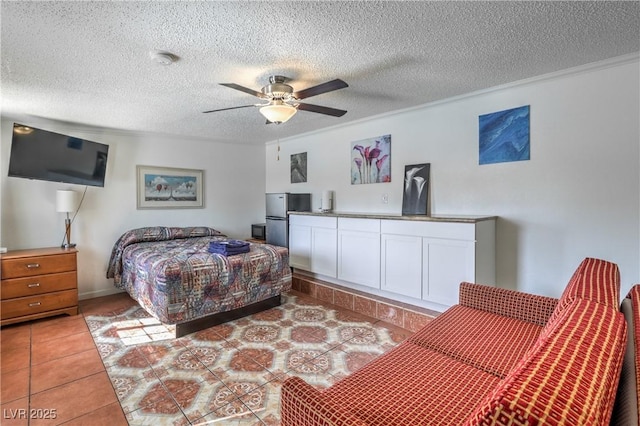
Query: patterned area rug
[231,374]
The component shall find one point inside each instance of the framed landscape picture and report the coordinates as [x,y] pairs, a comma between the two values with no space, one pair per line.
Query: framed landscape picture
[169,188]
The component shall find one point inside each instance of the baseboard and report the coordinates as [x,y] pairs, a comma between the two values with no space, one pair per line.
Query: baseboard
[401,314]
[98,293]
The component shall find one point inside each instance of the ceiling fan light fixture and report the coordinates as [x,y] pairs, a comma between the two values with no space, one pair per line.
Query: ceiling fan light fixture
[278,112]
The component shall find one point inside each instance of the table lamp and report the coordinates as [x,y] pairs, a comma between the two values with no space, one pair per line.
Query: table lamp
[66,202]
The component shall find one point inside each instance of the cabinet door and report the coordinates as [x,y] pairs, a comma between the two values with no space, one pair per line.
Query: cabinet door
[359,257]
[300,246]
[401,269]
[324,251]
[446,264]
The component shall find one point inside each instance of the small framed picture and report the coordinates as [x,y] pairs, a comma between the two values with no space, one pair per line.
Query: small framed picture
[415,197]
[299,167]
[169,188]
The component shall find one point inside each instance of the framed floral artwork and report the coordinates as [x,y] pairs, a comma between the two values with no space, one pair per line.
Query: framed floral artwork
[371,160]
[416,189]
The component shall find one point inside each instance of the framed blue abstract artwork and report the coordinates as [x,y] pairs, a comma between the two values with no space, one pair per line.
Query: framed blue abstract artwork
[504,136]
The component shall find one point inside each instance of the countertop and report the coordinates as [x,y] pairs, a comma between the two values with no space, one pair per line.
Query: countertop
[432,218]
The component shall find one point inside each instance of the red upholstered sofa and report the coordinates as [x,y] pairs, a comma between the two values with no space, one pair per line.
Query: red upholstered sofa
[627,406]
[499,357]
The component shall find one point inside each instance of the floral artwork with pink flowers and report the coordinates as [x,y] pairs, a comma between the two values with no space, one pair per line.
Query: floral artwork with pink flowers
[371,160]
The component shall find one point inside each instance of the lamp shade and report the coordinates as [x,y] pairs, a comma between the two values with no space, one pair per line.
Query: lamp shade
[278,112]
[66,200]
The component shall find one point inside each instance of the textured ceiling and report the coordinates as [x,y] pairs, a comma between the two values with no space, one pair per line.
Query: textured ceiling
[89,63]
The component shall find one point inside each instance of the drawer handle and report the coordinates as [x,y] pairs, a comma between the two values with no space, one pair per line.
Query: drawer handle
[31,305]
[33,285]
[33,265]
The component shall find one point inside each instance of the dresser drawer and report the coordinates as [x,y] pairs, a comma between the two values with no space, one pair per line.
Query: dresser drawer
[38,265]
[38,284]
[29,305]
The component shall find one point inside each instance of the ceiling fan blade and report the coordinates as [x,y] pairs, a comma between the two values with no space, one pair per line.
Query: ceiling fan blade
[321,109]
[244,89]
[329,86]
[224,109]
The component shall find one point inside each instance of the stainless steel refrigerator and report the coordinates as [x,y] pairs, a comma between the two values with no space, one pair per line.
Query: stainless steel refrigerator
[278,204]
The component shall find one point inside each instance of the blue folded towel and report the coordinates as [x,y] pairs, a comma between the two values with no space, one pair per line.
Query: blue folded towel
[229,247]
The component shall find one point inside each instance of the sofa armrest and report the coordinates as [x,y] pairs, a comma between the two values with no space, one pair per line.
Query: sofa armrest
[302,404]
[569,376]
[510,303]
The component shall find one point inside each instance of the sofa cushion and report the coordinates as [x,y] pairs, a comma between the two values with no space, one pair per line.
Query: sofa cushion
[568,377]
[412,385]
[458,331]
[596,280]
[509,303]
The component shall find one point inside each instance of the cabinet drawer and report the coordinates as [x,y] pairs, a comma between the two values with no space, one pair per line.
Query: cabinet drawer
[40,303]
[364,225]
[315,221]
[38,284]
[448,230]
[38,265]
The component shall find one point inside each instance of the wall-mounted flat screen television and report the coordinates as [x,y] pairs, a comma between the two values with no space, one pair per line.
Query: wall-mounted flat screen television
[43,155]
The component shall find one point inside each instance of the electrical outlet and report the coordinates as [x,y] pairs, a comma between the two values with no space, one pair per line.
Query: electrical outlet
[3,249]
[385,198]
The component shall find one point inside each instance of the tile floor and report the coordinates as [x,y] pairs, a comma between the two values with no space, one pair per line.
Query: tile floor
[113,365]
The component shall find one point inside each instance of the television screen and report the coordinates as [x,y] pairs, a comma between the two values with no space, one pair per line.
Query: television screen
[43,155]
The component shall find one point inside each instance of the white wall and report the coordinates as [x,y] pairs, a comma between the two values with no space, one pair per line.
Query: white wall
[578,196]
[234,197]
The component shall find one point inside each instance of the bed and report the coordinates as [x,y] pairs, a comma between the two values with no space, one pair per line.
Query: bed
[170,272]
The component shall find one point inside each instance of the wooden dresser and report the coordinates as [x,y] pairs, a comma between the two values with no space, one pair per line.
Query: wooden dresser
[38,283]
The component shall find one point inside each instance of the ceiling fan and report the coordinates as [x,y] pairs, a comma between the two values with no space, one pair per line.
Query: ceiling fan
[282,101]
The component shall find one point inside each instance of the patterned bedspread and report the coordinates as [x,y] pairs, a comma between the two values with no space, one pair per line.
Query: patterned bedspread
[174,277]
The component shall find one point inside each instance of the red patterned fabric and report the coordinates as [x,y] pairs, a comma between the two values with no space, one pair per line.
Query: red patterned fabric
[569,377]
[634,295]
[504,340]
[627,407]
[564,372]
[411,385]
[596,280]
[301,404]
[510,303]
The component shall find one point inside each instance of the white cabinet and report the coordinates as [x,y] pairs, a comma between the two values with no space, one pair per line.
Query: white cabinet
[323,251]
[359,251]
[299,245]
[312,244]
[429,260]
[401,271]
[445,264]
[410,260]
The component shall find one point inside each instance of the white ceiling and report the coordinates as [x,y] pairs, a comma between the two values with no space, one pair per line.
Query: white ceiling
[89,63]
